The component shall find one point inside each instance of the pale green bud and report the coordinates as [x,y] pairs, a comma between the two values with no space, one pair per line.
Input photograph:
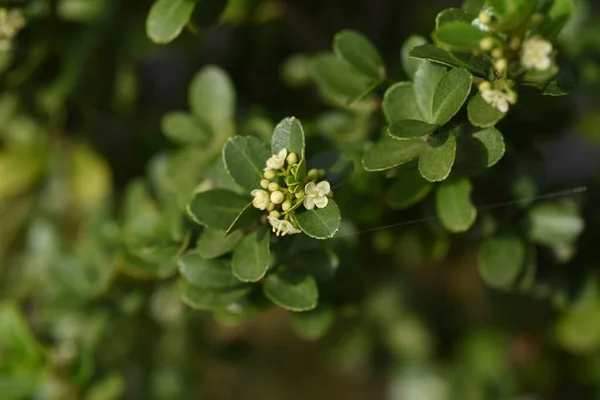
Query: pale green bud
[277,197]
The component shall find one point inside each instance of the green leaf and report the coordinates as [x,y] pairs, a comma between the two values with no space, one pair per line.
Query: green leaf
[213,299]
[251,258]
[182,128]
[18,342]
[111,387]
[214,243]
[336,78]
[452,15]
[482,148]
[453,205]
[314,324]
[473,7]
[244,219]
[216,208]
[501,260]
[167,18]
[291,291]
[408,189]
[410,129]
[399,102]
[288,134]
[427,78]
[511,14]
[459,36]
[245,158]
[430,52]
[355,49]
[208,274]
[411,65]
[554,223]
[437,160]
[389,153]
[320,223]
[212,98]
[578,328]
[338,166]
[482,114]
[558,16]
[450,94]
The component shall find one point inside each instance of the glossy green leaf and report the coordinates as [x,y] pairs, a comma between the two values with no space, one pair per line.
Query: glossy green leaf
[251,258]
[336,78]
[209,274]
[399,102]
[338,166]
[167,19]
[245,158]
[182,128]
[214,243]
[482,148]
[554,223]
[452,15]
[314,324]
[213,299]
[482,114]
[450,94]
[355,49]
[408,189]
[244,219]
[294,292]
[410,129]
[319,223]
[430,52]
[411,65]
[437,160]
[212,98]
[216,208]
[289,135]
[501,260]
[511,14]
[459,36]
[473,6]
[427,78]
[389,153]
[453,205]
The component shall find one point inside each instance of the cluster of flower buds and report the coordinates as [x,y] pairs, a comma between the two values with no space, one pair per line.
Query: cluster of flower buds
[11,22]
[498,94]
[285,187]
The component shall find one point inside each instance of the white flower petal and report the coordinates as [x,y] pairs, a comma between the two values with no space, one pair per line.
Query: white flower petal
[321,202]
[309,202]
[310,188]
[323,188]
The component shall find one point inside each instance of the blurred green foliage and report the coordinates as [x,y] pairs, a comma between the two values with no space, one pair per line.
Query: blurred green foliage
[463,263]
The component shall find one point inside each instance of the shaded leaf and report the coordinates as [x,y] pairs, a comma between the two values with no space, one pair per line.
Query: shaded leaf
[408,189]
[450,94]
[501,260]
[182,128]
[554,223]
[452,15]
[214,243]
[167,18]
[399,103]
[216,208]
[389,153]
[437,160]
[291,291]
[354,48]
[453,205]
[314,324]
[288,134]
[482,114]
[427,78]
[212,98]
[336,78]
[338,166]
[213,299]
[459,36]
[430,52]
[251,258]
[411,65]
[410,129]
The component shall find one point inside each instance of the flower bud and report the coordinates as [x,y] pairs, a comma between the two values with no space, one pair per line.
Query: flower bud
[514,43]
[286,205]
[292,158]
[497,53]
[501,64]
[537,18]
[270,207]
[275,214]
[484,86]
[485,18]
[313,174]
[322,173]
[273,186]
[486,44]
[264,183]
[270,174]
[300,194]
[277,197]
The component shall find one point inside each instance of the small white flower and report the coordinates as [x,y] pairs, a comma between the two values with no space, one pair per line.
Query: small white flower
[536,54]
[498,99]
[277,160]
[282,227]
[316,195]
[261,199]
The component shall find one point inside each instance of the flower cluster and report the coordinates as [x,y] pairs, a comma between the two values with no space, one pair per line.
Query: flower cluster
[285,187]
[498,96]
[536,54]
[11,22]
